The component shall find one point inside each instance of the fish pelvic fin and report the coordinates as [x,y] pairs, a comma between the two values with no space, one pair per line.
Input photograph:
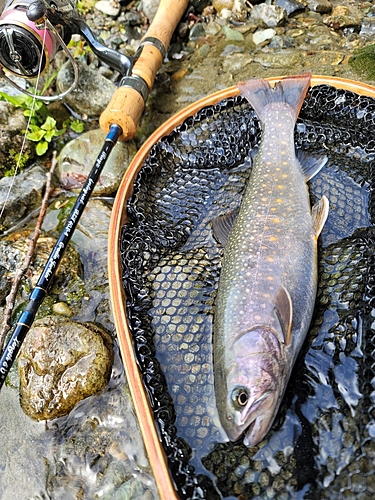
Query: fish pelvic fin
[222,226]
[290,90]
[319,215]
[310,164]
[284,312]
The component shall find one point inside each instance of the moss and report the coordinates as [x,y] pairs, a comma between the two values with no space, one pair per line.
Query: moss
[363,61]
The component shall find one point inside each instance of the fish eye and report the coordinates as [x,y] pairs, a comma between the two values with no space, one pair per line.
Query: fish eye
[240,396]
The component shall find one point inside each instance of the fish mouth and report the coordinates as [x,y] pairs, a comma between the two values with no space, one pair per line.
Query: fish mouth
[254,421]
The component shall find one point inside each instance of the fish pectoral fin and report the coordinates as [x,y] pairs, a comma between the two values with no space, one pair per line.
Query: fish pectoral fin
[284,312]
[222,226]
[319,214]
[311,164]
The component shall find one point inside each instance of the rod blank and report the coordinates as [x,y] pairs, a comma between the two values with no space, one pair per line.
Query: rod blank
[44,282]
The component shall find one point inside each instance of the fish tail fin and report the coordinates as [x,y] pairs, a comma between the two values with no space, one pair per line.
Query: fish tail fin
[290,90]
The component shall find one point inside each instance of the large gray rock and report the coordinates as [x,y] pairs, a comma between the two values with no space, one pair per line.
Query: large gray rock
[78,157]
[61,363]
[21,195]
[92,94]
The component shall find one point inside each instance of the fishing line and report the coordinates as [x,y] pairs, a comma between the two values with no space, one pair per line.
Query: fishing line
[34,96]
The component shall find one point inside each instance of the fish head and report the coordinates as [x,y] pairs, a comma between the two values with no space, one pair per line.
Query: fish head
[254,387]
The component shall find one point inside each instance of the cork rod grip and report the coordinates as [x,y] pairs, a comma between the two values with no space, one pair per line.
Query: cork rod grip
[126,106]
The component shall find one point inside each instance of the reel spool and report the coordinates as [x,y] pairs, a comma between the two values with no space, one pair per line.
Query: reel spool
[32,32]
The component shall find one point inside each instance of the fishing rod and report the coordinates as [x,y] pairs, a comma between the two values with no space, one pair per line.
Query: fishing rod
[119,120]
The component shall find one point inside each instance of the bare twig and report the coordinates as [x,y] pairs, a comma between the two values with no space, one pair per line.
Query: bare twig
[5,326]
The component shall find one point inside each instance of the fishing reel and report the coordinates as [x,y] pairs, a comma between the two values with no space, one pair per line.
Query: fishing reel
[32,31]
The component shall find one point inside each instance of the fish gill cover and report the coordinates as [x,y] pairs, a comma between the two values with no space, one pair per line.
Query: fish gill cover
[322,443]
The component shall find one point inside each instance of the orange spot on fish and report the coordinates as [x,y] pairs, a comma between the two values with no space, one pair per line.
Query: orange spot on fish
[270,259]
[280,186]
[279,200]
[276,220]
[273,238]
[269,278]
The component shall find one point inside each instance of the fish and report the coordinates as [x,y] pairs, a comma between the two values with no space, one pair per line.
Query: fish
[268,278]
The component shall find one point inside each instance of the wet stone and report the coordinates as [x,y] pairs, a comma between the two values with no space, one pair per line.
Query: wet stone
[78,156]
[344,17]
[93,91]
[25,195]
[261,36]
[197,31]
[268,15]
[290,6]
[61,363]
[368,27]
[321,6]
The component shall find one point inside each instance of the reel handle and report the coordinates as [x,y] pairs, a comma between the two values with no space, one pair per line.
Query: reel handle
[127,103]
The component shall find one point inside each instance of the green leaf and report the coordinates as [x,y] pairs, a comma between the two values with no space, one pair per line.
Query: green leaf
[18,101]
[49,124]
[41,148]
[77,126]
[36,135]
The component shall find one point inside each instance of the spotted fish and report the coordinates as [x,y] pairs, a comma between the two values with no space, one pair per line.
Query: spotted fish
[268,279]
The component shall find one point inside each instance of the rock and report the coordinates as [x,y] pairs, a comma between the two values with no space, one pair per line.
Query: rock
[13,250]
[110,8]
[321,6]
[149,7]
[268,15]
[290,6]
[78,157]
[24,196]
[12,124]
[231,49]
[62,309]
[282,42]
[231,34]
[5,285]
[261,36]
[239,11]
[280,59]
[61,363]
[368,27]
[196,31]
[92,94]
[219,5]
[344,17]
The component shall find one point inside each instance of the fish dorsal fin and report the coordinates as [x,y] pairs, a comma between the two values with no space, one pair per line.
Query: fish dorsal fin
[284,312]
[319,214]
[310,164]
[222,226]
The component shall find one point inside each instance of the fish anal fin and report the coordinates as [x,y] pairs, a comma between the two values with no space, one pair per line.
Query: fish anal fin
[222,226]
[311,164]
[284,312]
[319,215]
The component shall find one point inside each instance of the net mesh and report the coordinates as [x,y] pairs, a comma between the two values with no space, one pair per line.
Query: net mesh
[321,444]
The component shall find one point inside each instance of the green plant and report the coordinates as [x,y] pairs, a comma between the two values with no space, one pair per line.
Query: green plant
[43,134]
[19,159]
[42,127]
